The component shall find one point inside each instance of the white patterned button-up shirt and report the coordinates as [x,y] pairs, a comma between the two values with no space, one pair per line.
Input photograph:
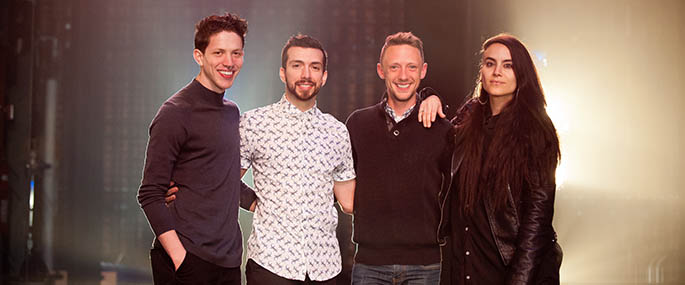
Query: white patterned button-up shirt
[295,157]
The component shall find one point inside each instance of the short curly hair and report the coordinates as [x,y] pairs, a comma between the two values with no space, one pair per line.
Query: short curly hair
[213,24]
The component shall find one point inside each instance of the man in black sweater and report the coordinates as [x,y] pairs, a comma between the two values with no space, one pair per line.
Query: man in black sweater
[397,160]
[194,142]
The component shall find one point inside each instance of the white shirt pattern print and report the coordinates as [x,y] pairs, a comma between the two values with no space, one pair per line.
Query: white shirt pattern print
[295,157]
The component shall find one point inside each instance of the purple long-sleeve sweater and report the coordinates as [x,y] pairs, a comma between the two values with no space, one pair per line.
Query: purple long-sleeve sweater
[194,142]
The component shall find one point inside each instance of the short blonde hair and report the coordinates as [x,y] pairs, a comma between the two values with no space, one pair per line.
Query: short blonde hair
[402,38]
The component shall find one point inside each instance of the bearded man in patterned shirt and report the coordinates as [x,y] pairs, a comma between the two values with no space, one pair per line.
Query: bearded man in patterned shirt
[301,159]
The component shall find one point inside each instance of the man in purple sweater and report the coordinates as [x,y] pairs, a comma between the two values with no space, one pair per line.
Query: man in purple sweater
[194,142]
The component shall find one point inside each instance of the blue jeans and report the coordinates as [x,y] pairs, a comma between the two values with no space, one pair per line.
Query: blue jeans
[395,274]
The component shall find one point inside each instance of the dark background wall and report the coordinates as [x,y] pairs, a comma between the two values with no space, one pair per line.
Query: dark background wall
[81,80]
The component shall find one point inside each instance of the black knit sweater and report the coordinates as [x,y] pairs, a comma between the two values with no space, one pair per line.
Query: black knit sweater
[396,204]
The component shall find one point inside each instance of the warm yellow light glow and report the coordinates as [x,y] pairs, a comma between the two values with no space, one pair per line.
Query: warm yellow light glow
[556,111]
[612,72]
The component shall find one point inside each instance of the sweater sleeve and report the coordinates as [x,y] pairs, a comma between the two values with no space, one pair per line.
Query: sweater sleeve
[350,129]
[167,135]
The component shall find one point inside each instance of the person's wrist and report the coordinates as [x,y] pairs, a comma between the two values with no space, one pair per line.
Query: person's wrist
[178,257]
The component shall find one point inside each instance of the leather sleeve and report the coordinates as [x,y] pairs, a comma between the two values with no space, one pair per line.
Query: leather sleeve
[427,92]
[446,190]
[535,232]
[247,196]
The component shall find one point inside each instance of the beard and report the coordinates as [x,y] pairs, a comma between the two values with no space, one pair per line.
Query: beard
[307,95]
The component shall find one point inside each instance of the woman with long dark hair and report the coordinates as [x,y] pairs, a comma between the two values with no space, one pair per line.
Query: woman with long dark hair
[501,200]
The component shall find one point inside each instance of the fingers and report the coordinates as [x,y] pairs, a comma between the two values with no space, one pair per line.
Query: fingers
[429,110]
[169,199]
[170,195]
[433,113]
[171,191]
[421,111]
[427,117]
[436,108]
[442,115]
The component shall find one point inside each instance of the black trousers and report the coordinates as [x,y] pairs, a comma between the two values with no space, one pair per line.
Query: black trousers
[258,275]
[193,270]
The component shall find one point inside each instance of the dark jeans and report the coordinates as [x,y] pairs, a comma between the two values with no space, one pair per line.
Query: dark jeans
[395,274]
[258,275]
[193,270]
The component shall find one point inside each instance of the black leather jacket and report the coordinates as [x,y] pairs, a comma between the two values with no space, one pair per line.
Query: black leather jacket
[522,230]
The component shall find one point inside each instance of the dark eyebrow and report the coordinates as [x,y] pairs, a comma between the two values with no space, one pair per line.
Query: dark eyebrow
[490,58]
[302,62]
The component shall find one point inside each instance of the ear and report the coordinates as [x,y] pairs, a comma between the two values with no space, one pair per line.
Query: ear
[281,74]
[197,55]
[323,79]
[424,69]
[379,70]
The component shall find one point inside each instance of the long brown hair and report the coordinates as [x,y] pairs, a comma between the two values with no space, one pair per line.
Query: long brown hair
[524,150]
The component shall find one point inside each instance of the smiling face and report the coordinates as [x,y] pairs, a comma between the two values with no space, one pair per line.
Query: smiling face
[221,61]
[402,68]
[497,71]
[304,73]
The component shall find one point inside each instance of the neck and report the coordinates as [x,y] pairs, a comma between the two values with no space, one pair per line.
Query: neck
[399,107]
[204,81]
[302,105]
[497,103]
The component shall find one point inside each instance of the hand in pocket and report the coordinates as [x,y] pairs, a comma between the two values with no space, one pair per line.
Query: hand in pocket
[185,273]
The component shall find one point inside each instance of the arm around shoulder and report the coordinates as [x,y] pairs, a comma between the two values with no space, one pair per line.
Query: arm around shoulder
[167,135]
[248,198]
[344,193]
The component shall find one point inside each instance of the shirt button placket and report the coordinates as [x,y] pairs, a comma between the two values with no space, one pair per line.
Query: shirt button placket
[301,150]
